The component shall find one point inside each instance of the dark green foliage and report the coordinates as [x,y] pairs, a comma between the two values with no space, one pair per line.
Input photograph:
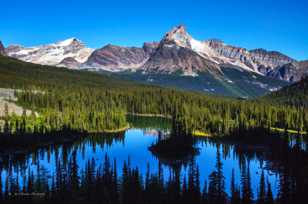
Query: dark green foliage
[85,101]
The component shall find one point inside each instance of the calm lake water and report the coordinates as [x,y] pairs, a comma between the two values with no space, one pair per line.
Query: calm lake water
[285,159]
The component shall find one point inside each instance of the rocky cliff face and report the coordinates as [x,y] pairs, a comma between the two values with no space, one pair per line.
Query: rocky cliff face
[172,59]
[150,47]
[239,56]
[270,59]
[69,62]
[116,58]
[291,72]
[2,49]
[259,60]
[287,72]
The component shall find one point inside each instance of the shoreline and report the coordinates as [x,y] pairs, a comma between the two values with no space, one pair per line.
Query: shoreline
[290,131]
[116,130]
[149,115]
[198,133]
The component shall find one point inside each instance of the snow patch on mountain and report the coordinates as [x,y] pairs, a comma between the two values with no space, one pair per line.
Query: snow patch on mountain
[52,54]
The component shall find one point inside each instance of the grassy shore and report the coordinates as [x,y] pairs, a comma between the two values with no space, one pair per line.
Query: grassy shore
[117,130]
[198,133]
[149,115]
[288,131]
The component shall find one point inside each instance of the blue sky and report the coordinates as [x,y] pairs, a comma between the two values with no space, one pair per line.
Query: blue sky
[274,25]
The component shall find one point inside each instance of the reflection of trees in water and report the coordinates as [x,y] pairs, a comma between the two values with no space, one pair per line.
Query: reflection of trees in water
[101,183]
[216,190]
[104,185]
[286,156]
[19,159]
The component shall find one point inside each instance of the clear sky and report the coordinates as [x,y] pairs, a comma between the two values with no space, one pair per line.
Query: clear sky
[270,24]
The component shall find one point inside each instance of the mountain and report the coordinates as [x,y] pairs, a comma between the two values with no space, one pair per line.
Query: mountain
[295,94]
[178,51]
[116,58]
[206,66]
[2,49]
[51,54]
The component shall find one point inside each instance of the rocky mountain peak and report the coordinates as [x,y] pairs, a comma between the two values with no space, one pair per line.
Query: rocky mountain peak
[178,36]
[70,42]
[178,30]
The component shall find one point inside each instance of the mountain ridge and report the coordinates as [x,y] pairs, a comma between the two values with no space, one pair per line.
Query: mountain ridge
[177,51]
[51,54]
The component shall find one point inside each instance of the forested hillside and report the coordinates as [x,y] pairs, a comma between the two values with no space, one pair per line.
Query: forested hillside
[90,102]
[295,94]
[15,73]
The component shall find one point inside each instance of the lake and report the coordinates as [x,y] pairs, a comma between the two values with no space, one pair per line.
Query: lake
[279,167]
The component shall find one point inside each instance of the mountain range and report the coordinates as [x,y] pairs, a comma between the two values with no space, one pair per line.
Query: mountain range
[177,60]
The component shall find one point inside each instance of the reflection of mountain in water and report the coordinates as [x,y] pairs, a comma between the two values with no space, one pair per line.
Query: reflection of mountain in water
[160,134]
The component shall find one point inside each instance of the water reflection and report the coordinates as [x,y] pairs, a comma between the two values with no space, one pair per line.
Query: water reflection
[115,167]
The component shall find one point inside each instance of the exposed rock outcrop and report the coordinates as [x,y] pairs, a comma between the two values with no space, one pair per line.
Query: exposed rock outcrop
[69,62]
[117,58]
